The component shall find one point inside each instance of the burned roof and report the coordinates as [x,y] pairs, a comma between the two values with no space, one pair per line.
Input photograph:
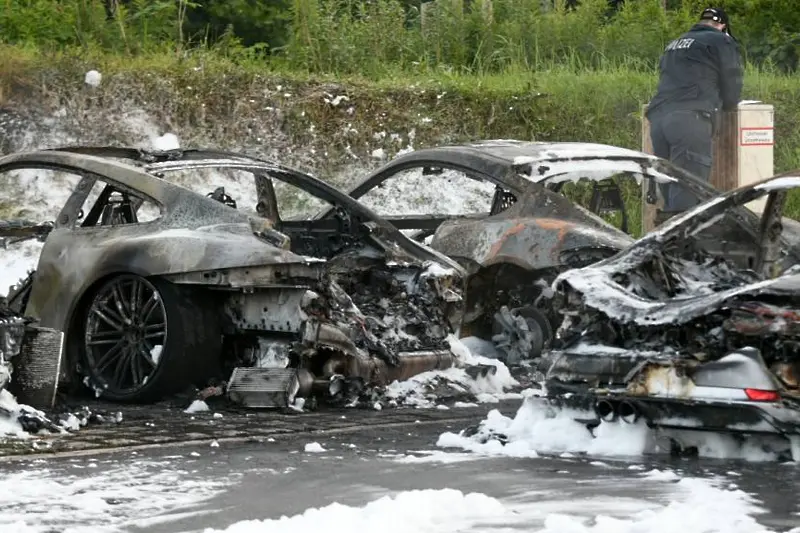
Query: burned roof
[498,157]
[513,152]
[505,152]
[516,164]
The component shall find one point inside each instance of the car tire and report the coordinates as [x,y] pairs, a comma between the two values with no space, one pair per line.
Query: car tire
[123,322]
[539,334]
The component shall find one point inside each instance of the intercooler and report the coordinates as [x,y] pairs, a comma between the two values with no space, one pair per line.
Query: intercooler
[268,388]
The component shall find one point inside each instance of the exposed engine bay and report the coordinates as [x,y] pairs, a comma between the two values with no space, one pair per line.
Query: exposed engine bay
[333,337]
[672,332]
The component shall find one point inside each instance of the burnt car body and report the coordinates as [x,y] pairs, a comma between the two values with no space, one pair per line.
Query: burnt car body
[683,338]
[201,289]
[28,352]
[532,231]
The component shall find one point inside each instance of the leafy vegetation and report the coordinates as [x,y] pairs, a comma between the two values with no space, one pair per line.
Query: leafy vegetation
[373,36]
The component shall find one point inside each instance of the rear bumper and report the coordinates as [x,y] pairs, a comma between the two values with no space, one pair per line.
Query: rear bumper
[736,417]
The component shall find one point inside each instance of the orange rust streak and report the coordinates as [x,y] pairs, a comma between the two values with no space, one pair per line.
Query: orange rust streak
[495,249]
[551,224]
[554,224]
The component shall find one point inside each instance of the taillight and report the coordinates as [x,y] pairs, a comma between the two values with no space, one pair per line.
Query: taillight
[758,395]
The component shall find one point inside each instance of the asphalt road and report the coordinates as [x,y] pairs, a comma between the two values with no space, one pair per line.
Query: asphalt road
[269,474]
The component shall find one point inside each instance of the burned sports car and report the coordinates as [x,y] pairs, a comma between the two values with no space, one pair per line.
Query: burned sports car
[156,287]
[522,226]
[684,338]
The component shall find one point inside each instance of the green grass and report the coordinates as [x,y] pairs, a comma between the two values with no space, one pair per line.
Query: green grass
[564,102]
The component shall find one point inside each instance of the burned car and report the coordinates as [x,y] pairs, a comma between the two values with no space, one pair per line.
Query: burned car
[683,338]
[523,225]
[156,287]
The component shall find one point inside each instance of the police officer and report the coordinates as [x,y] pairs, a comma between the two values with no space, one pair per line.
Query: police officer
[701,73]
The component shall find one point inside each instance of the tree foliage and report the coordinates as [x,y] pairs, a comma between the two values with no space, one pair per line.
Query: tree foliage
[357,35]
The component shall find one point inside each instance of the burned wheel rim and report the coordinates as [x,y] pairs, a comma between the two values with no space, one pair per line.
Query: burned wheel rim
[126,330]
[520,334]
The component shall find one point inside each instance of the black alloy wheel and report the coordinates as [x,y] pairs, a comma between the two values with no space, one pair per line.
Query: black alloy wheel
[125,335]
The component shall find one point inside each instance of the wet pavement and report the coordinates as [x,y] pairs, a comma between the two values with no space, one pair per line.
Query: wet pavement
[164,424]
[255,466]
[354,476]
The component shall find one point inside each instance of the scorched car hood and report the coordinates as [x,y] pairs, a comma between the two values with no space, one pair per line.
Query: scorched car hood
[699,288]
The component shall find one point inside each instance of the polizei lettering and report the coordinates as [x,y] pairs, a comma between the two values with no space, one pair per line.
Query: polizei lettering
[680,44]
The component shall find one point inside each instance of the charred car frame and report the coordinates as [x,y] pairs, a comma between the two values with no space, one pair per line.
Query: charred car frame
[286,308]
[686,338]
[27,350]
[532,230]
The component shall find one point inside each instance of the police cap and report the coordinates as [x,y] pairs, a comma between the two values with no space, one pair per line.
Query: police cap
[717,14]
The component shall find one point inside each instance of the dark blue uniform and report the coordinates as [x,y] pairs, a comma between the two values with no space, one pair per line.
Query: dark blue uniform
[701,73]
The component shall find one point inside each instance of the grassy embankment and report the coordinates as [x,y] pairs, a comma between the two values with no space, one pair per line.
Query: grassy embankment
[523,76]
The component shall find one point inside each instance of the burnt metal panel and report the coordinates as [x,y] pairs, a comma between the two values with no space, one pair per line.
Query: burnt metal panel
[532,234]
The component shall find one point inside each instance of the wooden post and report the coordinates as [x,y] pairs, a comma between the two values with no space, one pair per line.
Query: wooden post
[724,170]
[648,210]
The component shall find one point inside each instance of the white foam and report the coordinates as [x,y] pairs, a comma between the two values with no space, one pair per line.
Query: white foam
[411,192]
[540,428]
[416,511]
[197,406]
[435,456]
[419,390]
[314,447]
[108,497]
[93,78]
[17,262]
[536,429]
[661,475]
[693,506]
[168,141]
[9,426]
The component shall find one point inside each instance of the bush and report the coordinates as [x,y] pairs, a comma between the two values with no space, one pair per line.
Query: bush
[375,36]
[481,36]
[266,24]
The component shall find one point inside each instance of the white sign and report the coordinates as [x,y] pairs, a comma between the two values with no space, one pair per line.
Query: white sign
[756,136]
